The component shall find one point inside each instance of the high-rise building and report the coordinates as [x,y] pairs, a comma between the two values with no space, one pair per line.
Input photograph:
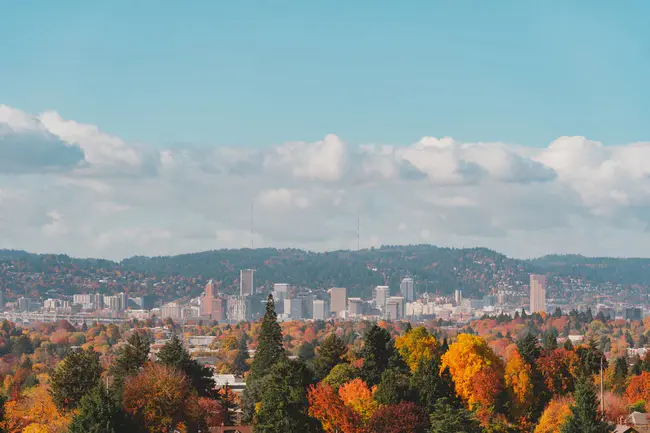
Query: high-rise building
[381,295]
[124,300]
[280,292]
[458,297]
[320,309]
[407,290]
[355,307]
[338,300]
[171,310]
[537,293]
[246,286]
[293,308]
[211,305]
[395,308]
[239,309]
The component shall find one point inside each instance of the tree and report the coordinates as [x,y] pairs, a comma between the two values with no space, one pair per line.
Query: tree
[359,397]
[175,355]
[518,381]
[240,363]
[416,345]
[74,377]
[393,387]
[376,353]
[269,348]
[131,357]
[326,406]
[99,413]
[306,351]
[620,374]
[161,400]
[213,413]
[639,388]
[35,410]
[468,360]
[585,415]
[283,406]
[429,384]
[590,358]
[528,348]
[330,353]
[558,368]
[448,418]
[555,415]
[341,374]
[404,417]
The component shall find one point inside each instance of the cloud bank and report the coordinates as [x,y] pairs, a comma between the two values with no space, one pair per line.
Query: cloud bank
[70,187]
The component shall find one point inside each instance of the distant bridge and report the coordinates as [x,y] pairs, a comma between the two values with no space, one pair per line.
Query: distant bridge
[50,317]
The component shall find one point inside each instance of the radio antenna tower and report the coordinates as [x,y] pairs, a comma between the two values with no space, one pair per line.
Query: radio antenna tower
[253,225]
[358,233]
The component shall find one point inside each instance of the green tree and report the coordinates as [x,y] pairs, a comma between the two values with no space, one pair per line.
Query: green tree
[269,347]
[590,358]
[240,365]
[77,374]
[99,413]
[131,357]
[393,388]
[174,354]
[620,374]
[330,353]
[530,350]
[341,374]
[528,347]
[269,352]
[283,406]
[376,353]
[449,418]
[429,384]
[585,415]
[306,351]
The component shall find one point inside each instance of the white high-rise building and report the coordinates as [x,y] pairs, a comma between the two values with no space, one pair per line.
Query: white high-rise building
[246,282]
[320,309]
[338,300]
[280,292]
[293,308]
[458,297]
[381,295]
[407,290]
[537,293]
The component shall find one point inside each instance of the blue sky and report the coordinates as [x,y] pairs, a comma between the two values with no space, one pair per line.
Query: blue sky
[257,73]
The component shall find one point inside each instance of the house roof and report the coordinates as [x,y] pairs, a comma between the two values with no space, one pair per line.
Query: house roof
[624,429]
[637,418]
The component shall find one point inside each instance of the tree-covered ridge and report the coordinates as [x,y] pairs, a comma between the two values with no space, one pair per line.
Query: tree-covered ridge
[436,270]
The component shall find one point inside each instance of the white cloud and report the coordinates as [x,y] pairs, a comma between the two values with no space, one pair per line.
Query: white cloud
[69,187]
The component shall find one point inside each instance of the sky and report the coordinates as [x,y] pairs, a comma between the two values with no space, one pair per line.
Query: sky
[149,127]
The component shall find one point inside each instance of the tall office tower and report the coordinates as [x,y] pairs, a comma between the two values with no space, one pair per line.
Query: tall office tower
[293,308]
[211,305]
[458,297]
[407,290]
[320,309]
[246,286]
[338,300]
[381,294]
[355,307]
[280,292]
[394,308]
[537,293]
[124,300]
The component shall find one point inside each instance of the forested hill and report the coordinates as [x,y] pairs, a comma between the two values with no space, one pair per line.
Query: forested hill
[475,270]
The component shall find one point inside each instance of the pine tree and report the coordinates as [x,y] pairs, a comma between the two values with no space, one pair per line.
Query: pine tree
[376,353]
[393,388]
[585,415]
[240,365]
[447,418]
[131,358]
[330,353]
[283,406]
[528,347]
[174,354]
[77,374]
[269,352]
[429,384]
[99,413]
[269,348]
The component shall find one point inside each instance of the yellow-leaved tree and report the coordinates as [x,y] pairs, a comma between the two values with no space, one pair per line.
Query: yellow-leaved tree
[35,410]
[555,415]
[357,396]
[477,371]
[415,346]
[518,383]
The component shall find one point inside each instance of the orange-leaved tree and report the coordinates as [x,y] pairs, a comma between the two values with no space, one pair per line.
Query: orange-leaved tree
[34,409]
[161,399]
[639,389]
[466,358]
[518,383]
[357,396]
[326,406]
[559,368]
[554,416]
[415,346]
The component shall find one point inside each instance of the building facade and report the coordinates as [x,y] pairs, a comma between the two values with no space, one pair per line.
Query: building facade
[537,293]
[407,289]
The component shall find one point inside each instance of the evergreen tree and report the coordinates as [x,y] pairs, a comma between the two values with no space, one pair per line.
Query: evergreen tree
[568,345]
[227,399]
[585,414]
[448,418]
[528,347]
[240,365]
[131,357]
[393,388]
[269,347]
[429,384]
[590,358]
[269,352]
[77,374]
[283,406]
[376,353]
[99,413]
[175,355]
[444,346]
[549,340]
[306,351]
[330,353]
